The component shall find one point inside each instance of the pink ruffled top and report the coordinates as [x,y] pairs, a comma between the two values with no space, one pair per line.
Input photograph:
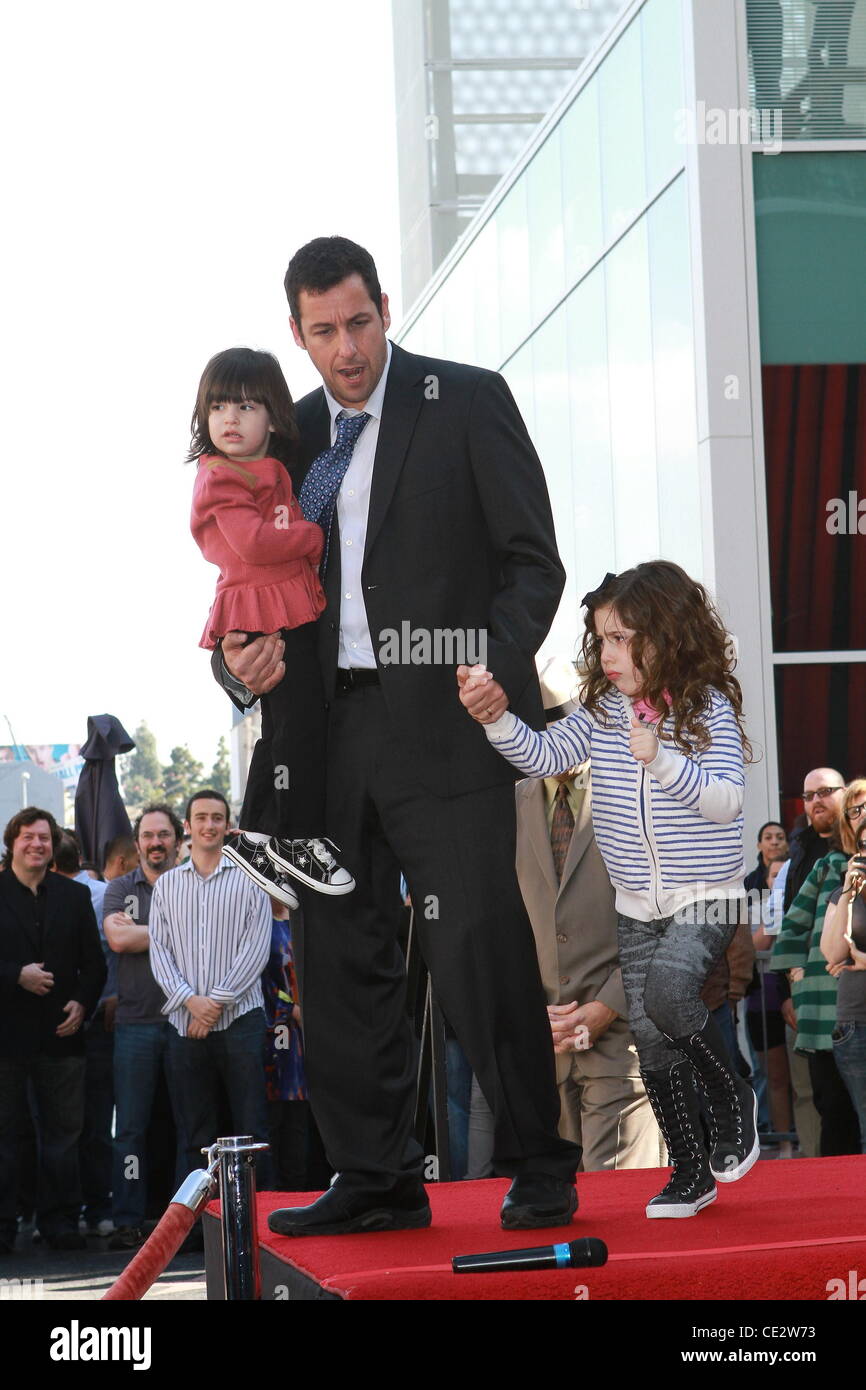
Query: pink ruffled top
[245,519]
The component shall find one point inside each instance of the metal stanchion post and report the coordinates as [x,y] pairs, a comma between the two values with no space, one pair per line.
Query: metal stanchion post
[236,1159]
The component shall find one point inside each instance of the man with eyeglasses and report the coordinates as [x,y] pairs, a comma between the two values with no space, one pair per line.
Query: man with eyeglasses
[141,1030]
[822,800]
[822,803]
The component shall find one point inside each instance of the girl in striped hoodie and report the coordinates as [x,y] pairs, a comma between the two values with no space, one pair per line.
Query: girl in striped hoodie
[661,718]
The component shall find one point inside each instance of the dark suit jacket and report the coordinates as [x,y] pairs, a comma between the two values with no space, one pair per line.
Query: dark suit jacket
[460,538]
[71,950]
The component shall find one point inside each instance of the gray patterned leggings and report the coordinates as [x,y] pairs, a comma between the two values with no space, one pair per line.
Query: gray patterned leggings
[665,964]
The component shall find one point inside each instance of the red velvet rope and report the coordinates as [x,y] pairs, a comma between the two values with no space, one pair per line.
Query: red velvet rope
[158,1250]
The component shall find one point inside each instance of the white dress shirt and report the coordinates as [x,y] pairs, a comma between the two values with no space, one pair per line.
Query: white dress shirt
[353,504]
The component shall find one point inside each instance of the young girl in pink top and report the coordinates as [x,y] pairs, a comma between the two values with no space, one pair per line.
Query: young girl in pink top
[246,520]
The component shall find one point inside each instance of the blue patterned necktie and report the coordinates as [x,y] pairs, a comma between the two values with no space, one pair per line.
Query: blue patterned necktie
[318,494]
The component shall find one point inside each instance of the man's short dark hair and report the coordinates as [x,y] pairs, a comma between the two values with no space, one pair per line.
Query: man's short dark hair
[67,855]
[163,809]
[766,826]
[207,795]
[29,816]
[123,845]
[326,262]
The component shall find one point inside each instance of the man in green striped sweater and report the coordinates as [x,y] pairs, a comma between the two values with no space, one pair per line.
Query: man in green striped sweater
[797,951]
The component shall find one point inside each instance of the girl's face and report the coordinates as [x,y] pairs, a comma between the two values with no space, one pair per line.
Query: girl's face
[615,653]
[240,429]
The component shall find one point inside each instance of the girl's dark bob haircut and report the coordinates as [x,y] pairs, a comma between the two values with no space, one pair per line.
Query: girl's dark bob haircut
[244,374]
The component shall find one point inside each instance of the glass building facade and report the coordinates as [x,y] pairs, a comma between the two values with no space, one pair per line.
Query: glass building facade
[573,288]
[655,283]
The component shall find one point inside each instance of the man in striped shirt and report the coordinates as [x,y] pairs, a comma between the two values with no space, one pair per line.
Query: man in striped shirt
[210,935]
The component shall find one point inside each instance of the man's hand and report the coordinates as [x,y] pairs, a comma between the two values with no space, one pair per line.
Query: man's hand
[595,1016]
[203,1010]
[259,665]
[481,695]
[197,1029]
[642,742]
[561,1018]
[73,1021]
[789,1013]
[576,1027]
[34,978]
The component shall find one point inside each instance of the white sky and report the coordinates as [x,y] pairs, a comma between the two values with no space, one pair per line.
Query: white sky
[161,163]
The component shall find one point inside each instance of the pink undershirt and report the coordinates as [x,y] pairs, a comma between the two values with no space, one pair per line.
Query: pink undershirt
[646,713]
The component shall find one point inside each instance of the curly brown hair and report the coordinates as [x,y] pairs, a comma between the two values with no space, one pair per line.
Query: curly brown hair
[680,647]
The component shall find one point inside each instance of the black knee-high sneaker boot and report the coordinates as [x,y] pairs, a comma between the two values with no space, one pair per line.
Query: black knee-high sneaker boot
[675,1102]
[734,1143]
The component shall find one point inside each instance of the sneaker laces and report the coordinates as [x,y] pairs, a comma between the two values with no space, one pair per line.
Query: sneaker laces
[323,854]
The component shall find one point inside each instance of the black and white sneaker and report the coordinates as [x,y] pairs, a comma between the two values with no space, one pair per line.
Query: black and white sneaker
[311,862]
[251,855]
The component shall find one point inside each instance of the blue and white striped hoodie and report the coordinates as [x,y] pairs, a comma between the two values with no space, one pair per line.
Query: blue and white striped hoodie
[670,832]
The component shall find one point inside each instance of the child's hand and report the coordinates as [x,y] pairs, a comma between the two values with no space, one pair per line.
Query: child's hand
[642,742]
[481,695]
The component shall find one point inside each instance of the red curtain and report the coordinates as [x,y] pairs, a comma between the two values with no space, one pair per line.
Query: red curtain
[815,448]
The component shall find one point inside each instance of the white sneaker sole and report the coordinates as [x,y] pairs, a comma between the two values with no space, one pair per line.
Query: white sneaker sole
[734,1174]
[334,890]
[678,1210]
[282,893]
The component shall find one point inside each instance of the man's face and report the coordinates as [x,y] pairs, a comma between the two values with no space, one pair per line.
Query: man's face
[344,334]
[207,824]
[773,871]
[157,846]
[822,799]
[773,843]
[32,850]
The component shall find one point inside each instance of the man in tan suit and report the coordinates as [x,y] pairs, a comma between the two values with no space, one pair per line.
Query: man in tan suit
[570,902]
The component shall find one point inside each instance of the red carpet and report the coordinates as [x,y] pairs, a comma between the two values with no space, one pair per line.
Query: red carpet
[781,1233]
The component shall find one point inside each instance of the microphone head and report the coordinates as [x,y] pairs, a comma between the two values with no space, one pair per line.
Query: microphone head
[589,1252]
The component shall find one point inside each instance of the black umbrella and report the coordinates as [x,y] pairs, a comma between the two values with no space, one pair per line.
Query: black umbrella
[100,815]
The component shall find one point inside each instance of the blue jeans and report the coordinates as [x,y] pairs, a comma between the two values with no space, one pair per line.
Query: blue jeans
[57,1088]
[140,1051]
[234,1056]
[849,1052]
[665,964]
[95,1149]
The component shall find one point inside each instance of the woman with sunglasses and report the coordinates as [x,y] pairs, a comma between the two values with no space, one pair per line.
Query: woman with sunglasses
[843,944]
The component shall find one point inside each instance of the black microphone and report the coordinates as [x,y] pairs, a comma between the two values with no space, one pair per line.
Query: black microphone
[576,1254]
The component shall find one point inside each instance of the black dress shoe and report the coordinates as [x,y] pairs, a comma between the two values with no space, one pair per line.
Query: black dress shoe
[340,1212]
[537,1199]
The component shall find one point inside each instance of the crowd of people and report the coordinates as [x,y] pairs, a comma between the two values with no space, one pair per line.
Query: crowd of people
[172,972]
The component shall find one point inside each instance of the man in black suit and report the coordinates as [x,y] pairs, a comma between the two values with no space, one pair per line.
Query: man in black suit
[441,550]
[52,971]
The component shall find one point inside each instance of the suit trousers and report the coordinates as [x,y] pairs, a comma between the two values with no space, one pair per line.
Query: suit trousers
[57,1089]
[285,792]
[457,855]
[610,1117]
